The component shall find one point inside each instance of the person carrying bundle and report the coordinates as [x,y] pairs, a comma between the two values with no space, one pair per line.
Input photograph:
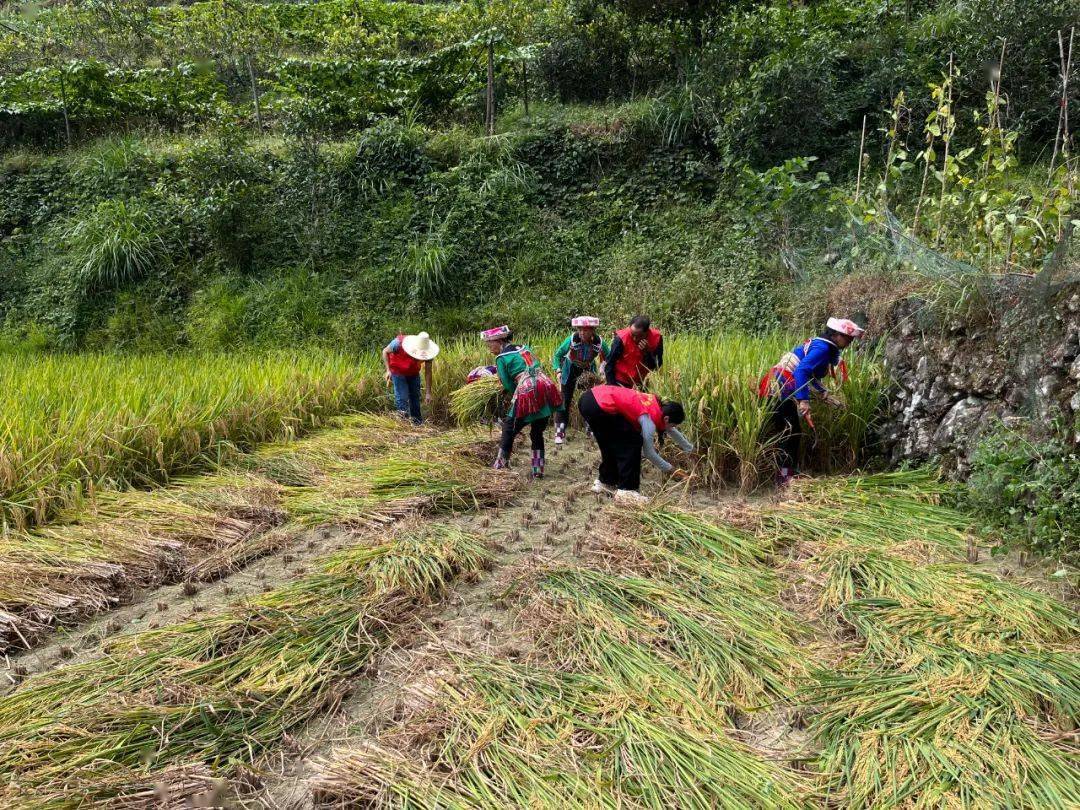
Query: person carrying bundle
[534,397]
[795,377]
[635,351]
[624,423]
[403,357]
[577,355]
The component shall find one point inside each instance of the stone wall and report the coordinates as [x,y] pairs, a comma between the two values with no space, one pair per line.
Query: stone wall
[1015,356]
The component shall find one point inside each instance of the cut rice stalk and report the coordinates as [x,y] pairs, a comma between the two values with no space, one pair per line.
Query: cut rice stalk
[226,686]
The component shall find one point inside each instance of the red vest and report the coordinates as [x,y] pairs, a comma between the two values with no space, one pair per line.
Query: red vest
[631,404]
[401,364]
[630,368]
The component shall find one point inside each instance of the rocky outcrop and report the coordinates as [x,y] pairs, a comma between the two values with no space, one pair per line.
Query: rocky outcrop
[1014,356]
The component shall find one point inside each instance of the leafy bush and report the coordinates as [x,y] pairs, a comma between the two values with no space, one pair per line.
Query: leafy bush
[1028,489]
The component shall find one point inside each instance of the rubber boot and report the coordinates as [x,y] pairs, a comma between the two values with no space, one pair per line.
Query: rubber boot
[538,464]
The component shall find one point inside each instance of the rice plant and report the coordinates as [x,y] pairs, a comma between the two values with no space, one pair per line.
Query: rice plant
[478,401]
[71,425]
[225,687]
[716,380]
[203,526]
[938,736]
[499,735]
[730,644]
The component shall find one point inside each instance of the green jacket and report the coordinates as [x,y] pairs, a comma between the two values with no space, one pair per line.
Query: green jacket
[510,364]
[573,354]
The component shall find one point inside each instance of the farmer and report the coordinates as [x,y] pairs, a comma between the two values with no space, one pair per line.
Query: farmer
[635,352]
[575,356]
[798,375]
[534,396]
[403,357]
[625,422]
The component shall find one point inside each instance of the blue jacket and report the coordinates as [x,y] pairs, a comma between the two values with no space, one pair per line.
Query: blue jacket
[817,357]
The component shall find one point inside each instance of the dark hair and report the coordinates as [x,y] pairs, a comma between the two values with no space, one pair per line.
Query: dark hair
[673,411]
[641,321]
[831,334]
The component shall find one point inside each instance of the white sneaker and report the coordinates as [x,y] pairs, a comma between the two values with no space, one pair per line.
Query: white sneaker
[630,496]
[600,488]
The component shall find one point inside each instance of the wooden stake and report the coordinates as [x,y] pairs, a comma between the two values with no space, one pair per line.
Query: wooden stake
[1061,137]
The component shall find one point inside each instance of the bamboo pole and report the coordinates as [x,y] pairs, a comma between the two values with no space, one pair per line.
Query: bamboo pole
[489,116]
[64,102]
[862,146]
[254,92]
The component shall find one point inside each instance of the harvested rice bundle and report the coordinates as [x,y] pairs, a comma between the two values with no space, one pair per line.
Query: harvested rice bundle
[897,510]
[59,574]
[951,606]
[481,400]
[225,686]
[354,437]
[694,533]
[440,472]
[512,736]
[944,735]
[728,642]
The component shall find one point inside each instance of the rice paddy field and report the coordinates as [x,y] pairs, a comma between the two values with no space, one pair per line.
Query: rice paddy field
[366,615]
[70,425]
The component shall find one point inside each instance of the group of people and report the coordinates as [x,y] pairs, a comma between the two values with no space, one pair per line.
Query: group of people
[620,414]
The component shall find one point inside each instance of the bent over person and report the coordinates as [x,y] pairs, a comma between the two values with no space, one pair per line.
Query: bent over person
[797,375]
[635,352]
[625,422]
[575,356]
[534,396]
[403,358]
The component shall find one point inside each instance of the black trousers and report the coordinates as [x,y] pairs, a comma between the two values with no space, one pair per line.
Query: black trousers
[569,386]
[787,425]
[619,441]
[512,427]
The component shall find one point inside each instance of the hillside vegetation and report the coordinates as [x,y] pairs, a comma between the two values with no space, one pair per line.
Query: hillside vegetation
[259,173]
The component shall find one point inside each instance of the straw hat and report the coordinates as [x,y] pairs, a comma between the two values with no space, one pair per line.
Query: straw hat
[420,347]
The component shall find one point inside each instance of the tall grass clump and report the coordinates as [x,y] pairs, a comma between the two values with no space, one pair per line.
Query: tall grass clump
[118,242]
[74,424]
[219,690]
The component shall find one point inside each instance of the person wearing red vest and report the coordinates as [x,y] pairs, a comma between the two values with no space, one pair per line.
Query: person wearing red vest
[403,358]
[624,423]
[635,352]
